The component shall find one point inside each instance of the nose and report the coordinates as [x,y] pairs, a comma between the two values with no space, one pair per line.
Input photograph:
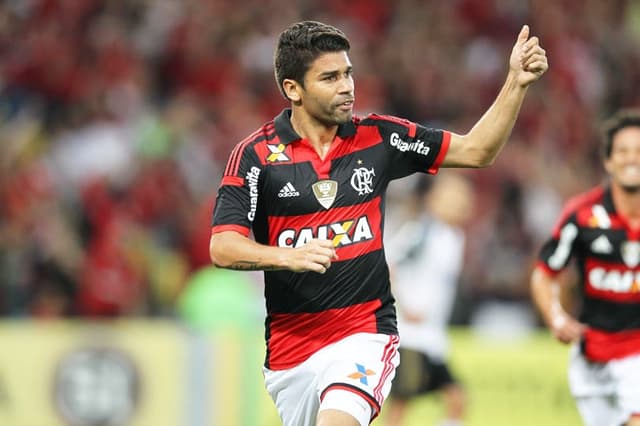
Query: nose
[633,154]
[346,85]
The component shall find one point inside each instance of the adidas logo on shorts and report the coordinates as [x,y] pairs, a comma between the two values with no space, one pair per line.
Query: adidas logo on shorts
[288,191]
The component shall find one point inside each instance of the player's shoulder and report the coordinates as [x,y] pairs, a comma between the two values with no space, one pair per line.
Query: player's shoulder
[246,148]
[585,199]
[374,119]
[265,132]
[582,201]
[393,128]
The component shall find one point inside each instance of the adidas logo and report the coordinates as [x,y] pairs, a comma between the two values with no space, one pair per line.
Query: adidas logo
[288,191]
[601,245]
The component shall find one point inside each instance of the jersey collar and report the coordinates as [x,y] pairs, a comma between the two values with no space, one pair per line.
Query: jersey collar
[286,134]
[607,200]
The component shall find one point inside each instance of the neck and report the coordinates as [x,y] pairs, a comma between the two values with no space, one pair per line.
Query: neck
[627,203]
[319,135]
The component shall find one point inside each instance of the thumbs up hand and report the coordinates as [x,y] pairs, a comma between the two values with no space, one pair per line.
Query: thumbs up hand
[528,59]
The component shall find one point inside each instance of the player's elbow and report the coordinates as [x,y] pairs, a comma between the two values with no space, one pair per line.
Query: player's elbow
[539,282]
[217,252]
[482,156]
[483,148]
[483,162]
[479,159]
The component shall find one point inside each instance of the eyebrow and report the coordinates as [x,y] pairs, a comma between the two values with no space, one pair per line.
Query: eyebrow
[334,72]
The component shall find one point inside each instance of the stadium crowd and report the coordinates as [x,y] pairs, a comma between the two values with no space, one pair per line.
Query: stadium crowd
[116,117]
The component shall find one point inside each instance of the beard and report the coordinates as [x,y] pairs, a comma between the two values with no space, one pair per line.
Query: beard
[343,119]
[335,118]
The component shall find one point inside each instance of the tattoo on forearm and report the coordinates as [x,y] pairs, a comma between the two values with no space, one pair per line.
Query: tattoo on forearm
[245,265]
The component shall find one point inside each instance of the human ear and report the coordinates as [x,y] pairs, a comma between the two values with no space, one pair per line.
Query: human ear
[292,89]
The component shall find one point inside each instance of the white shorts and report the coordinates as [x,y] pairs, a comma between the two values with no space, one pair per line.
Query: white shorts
[352,375]
[605,393]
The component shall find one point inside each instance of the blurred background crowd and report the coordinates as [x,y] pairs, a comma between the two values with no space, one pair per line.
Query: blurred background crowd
[117,117]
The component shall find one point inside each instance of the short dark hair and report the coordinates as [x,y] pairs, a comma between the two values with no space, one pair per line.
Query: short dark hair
[300,44]
[620,120]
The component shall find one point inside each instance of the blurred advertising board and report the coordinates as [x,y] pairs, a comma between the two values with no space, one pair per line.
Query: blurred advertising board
[72,373]
[133,373]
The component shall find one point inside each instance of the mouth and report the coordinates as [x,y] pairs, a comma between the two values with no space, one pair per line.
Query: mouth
[346,105]
[631,170]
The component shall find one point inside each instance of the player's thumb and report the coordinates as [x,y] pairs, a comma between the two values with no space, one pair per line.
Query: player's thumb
[524,34]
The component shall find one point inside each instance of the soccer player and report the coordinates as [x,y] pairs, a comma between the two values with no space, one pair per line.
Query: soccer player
[600,229]
[426,257]
[311,185]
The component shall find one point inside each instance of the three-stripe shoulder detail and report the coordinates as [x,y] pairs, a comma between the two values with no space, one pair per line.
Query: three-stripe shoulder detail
[374,119]
[578,202]
[265,133]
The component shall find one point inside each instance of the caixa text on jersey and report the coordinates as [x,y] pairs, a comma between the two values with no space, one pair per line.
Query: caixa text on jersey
[341,233]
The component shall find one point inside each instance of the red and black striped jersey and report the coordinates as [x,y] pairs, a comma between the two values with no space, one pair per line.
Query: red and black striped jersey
[276,186]
[607,253]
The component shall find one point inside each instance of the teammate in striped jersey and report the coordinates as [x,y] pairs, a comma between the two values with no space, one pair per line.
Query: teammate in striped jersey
[310,185]
[601,230]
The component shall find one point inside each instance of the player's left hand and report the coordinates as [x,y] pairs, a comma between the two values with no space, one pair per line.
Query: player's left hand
[565,328]
[528,59]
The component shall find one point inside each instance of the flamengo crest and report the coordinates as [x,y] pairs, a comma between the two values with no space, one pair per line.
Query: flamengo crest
[362,180]
[630,251]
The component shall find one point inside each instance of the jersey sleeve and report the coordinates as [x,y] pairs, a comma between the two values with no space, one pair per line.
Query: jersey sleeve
[237,199]
[558,249]
[412,147]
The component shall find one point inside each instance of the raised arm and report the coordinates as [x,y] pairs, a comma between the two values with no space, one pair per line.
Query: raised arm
[232,250]
[545,292]
[481,145]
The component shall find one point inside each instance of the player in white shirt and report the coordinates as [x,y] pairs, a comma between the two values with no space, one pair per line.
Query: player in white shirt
[427,255]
